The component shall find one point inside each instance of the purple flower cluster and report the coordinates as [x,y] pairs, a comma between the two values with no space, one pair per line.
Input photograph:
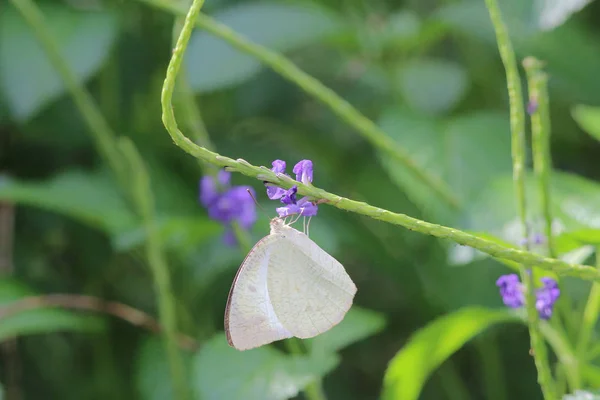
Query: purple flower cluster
[513,294]
[228,204]
[304,174]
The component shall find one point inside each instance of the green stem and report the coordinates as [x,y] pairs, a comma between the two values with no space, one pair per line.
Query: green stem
[142,194]
[589,319]
[367,128]
[101,132]
[540,140]
[517,127]
[264,174]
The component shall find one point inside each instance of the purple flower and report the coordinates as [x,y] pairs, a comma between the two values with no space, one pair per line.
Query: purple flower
[304,171]
[546,296]
[227,204]
[532,106]
[512,292]
[274,192]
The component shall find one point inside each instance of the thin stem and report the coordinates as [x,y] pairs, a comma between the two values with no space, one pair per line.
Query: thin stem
[367,128]
[517,127]
[90,303]
[540,140]
[589,319]
[142,196]
[101,132]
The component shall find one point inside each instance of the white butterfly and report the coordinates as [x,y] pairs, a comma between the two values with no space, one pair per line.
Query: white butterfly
[287,286]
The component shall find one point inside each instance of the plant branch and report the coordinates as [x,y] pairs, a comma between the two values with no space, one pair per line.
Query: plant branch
[517,127]
[89,303]
[367,128]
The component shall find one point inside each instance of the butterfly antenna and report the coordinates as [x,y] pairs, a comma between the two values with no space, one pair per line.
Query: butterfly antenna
[259,206]
[308,225]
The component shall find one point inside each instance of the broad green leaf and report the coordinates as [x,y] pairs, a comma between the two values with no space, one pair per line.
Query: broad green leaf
[432,86]
[582,395]
[221,372]
[429,347]
[465,152]
[41,320]
[89,197]
[591,374]
[357,325]
[588,119]
[28,80]
[152,375]
[213,64]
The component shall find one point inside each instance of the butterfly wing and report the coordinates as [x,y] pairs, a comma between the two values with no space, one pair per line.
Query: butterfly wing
[309,289]
[250,320]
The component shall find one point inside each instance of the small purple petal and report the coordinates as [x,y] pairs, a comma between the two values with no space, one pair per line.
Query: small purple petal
[208,191]
[307,208]
[274,192]
[223,177]
[287,210]
[278,166]
[546,297]
[290,196]
[532,106]
[304,171]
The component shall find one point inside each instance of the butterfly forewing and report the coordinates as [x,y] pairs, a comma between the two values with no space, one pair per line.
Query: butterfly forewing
[309,289]
[250,320]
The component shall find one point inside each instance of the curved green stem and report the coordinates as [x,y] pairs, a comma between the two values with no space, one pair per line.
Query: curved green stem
[367,128]
[265,174]
[589,319]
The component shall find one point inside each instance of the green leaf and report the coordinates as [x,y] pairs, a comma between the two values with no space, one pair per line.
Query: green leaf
[152,374]
[432,86]
[588,119]
[89,197]
[41,320]
[465,152]
[582,395]
[357,325]
[221,372]
[27,78]
[429,347]
[213,64]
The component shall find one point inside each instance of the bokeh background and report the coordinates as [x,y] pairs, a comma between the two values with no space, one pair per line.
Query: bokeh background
[427,72]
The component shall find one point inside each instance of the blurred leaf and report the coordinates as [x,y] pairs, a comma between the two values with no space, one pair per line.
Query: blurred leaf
[27,78]
[221,372]
[575,203]
[40,321]
[357,325]
[583,395]
[429,347]
[553,13]
[152,376]
[182,234]
[588,119]
[432,86]
[214,64]
[466,152]
[89,197]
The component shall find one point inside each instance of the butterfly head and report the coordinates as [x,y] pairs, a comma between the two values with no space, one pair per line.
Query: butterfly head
[277,224]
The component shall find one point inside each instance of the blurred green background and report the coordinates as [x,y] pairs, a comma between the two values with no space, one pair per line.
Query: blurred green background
[427,72]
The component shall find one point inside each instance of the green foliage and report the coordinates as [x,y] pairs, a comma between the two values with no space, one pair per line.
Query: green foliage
[29,81]
[427,73]
[282,27]
[429,347]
